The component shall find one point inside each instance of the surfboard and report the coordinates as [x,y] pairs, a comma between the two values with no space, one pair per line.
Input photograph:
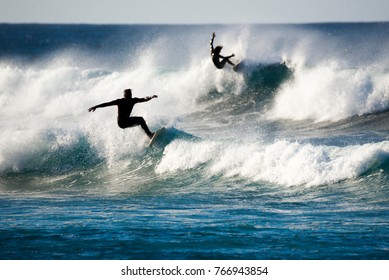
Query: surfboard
[155,136]
[238,66]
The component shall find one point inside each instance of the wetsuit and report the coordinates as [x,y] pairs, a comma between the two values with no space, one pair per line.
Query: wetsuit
[215,53]
[125,107]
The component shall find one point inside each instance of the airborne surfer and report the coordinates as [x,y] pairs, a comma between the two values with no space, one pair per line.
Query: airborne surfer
[125,106]
[216,56]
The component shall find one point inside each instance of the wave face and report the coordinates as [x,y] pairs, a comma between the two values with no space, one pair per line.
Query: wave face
[304,122]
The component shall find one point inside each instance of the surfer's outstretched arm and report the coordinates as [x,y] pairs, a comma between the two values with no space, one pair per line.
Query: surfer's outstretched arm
[148,98]
[211,43]
[112,103]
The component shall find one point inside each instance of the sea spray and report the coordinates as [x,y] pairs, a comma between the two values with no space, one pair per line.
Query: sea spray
[330,93]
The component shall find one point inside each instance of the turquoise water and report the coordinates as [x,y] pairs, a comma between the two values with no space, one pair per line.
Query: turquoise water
[287,159]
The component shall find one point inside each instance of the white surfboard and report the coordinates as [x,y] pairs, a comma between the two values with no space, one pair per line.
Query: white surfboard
[155,136]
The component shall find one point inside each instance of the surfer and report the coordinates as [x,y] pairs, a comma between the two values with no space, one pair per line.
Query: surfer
[125,106]
[216,56]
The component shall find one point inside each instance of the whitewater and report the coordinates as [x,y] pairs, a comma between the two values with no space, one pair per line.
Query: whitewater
[286,159]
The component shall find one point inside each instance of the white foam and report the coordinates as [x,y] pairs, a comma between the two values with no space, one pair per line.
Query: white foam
[28,149]
[56,95]
[329,93]
[282,162]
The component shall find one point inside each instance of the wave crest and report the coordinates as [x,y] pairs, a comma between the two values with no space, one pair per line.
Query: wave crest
[283,162]
[329,93]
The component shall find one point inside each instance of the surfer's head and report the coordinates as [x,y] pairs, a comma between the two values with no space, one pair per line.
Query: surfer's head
[127,93]
[218,49]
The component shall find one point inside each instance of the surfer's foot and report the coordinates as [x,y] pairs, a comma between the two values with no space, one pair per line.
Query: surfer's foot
[151,135]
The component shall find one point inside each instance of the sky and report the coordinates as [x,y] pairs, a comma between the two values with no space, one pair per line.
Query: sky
[192,11]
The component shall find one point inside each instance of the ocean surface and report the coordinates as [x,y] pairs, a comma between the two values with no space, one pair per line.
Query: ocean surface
[287,158]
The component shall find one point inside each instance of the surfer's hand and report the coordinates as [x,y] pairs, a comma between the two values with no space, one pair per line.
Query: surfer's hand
[92,109]
[213,35]
[233,55]
[151,97]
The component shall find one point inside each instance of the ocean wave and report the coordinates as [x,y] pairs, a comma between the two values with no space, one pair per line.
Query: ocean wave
[324,78]
[282,162]
[50,96]
[47,152]
[328,92]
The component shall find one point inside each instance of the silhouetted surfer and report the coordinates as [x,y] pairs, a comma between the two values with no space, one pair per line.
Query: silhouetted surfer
[125,106]
[216,56]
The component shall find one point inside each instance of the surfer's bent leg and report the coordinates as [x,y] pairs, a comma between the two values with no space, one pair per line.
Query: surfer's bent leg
[226,60]
[222,63]
[230,62]
[134,121]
